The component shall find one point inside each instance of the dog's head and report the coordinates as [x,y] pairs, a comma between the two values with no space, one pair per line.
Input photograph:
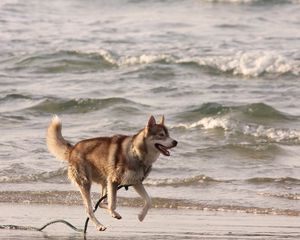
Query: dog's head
[157,136]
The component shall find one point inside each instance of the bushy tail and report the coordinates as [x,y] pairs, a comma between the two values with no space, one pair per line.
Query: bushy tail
[57,145]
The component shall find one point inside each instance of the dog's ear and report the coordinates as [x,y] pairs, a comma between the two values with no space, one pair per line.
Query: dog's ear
[162,120]
[151,122]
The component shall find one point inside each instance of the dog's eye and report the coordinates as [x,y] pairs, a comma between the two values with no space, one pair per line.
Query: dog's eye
[161,134]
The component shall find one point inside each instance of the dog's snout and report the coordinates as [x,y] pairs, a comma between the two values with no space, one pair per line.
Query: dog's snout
[174,143]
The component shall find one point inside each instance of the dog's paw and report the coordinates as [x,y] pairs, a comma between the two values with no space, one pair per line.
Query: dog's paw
[116,215]
[141,217]
[101,228]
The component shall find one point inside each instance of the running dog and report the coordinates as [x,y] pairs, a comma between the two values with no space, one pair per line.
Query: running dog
[111,161]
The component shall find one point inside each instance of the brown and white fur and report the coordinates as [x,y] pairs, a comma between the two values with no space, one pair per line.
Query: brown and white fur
[111,161]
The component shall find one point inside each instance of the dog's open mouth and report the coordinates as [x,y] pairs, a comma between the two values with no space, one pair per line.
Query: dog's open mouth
[162,149]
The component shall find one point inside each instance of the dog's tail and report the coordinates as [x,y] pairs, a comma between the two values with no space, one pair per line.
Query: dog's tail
[57,145]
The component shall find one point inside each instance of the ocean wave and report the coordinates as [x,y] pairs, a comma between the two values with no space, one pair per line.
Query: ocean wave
[210,123]
[14,174]
[19,102]
[273,134]
[252,110]
[18,173]
[74,198]
[227,124]
[14,96]
[289,196]
[270,180]
[65,61]
[251,63]
[84,61]
[250,119]
[15,102]
[178,182]
[83,105]
[255,1]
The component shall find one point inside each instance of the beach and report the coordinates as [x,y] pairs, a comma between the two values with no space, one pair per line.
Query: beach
[159,224]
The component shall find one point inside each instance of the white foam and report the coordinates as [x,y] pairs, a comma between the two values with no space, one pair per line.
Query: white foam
[108,56]
[128,60]
[179,181]
[251,64]
[216,122]
[145,59]
[277,135]
[210,123]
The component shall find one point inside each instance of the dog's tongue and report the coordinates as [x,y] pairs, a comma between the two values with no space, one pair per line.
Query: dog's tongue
[163,149]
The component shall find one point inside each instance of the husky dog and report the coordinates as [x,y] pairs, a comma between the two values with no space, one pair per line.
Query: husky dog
[111,161]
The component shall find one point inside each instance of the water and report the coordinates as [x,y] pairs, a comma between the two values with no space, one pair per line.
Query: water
[226,75]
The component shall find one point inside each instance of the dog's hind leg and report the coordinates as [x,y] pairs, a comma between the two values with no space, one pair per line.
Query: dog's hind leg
[139,188]
[111,197]
[86,196]
[103,190]
[103,203]
[80,176]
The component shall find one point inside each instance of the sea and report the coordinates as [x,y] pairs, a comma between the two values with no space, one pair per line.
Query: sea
[224,73]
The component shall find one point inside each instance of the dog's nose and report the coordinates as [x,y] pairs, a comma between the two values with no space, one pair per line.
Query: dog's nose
[174,143]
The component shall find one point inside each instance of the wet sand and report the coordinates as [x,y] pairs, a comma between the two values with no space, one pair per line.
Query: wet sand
[159,224]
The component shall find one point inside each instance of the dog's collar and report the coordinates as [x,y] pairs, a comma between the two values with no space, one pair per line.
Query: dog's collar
[147,170]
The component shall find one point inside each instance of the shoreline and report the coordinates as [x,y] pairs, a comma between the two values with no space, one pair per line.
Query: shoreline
[159,224]
[127,200]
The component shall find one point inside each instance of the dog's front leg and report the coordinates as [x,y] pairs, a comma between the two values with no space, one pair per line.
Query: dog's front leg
[139,188]
[112,199]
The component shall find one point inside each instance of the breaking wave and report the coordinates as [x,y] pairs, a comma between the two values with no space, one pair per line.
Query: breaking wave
[249,119]
[252,63]
[270,134]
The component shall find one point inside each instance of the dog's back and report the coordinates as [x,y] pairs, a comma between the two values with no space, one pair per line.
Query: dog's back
[103,157]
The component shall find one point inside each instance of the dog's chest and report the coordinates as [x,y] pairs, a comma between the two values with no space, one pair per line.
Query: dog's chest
[131,177]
